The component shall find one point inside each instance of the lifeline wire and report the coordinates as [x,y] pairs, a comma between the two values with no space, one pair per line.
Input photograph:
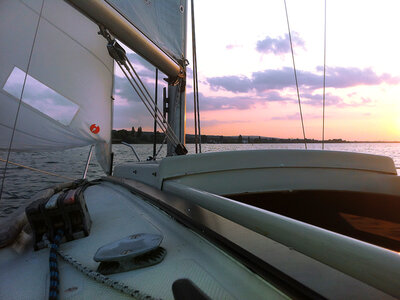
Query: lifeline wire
[323,93]
[295,76]
[20,101]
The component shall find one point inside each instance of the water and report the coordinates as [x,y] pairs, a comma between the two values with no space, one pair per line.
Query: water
[20,184]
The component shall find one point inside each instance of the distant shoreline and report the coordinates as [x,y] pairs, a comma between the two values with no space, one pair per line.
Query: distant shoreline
[283,142]
[146,137]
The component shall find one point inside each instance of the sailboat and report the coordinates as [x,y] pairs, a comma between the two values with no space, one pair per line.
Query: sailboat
[267,224]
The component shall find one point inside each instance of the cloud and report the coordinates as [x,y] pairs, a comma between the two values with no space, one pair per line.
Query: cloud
[336,77]
[128,107]
[232,46]
[212,122]
[317,99]
[340,77]
[219,103]
[231,83]
[146,72]
[144,68]
[296,116]
[279,45]
[363,102]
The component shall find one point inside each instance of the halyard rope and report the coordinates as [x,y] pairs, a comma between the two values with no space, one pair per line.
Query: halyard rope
[295,76]
[20,101]
[194,81]
[196,108]
[324,85]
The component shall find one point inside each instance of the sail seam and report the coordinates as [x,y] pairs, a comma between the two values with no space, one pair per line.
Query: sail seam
[87,49]
[138,29]
[20,101]
[46,139]
[91,52]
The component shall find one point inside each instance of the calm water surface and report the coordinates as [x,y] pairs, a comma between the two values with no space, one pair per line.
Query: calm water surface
[20,184]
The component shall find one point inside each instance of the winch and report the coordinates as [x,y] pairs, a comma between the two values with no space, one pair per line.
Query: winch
[65,210]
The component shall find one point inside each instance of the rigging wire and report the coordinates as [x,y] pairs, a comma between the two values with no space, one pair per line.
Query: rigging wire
[324,84]
[20,101]
[164,126]
[158,116]
[194,81]
[295,76]
[37,170]
[155,112]
[196,109]
[119,55]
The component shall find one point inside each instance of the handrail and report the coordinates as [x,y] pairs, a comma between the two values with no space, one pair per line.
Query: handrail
[373,265]
[133,149]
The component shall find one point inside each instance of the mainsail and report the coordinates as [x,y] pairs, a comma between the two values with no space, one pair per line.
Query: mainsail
[154,29]
[162,21]
[66,101]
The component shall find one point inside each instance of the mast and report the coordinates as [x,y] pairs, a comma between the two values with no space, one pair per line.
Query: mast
[177,98]
[177,113]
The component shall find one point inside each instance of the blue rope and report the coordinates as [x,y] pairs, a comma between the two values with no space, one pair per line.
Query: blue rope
[54,274]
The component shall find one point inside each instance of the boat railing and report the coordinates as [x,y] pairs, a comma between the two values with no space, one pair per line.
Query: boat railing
[371,264]
[133,149]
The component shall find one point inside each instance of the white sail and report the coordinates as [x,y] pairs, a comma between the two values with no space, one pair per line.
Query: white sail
[66,100]
[162,21]
[154,29]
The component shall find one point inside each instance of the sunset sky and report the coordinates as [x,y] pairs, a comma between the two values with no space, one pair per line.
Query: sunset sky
[246,80]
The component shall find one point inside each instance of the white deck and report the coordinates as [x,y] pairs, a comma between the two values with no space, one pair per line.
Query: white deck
[117,213]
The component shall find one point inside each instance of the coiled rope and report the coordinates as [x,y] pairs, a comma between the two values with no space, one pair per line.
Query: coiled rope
[114,284]
[54,274]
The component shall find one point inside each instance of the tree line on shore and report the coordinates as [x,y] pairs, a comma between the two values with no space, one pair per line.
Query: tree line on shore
[138,136]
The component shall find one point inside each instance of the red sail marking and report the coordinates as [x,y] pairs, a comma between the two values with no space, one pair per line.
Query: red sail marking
[94,128]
